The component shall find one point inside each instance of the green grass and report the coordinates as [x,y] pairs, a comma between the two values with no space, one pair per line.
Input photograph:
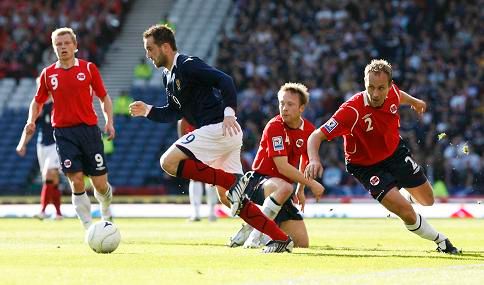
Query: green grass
[172,251]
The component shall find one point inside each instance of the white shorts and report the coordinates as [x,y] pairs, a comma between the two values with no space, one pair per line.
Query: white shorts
[48,158]
[209,146]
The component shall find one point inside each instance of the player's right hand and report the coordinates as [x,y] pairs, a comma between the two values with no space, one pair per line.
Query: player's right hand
[29,128]
[138,109]
[21,150]
[313,170]
[317,189]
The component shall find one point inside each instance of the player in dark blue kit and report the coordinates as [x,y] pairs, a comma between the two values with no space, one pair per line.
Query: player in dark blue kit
[48,162]
[206,98]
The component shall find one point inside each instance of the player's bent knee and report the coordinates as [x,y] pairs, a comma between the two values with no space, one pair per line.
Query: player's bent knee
[428,201]
[287,190]
[168,165]
[303,243]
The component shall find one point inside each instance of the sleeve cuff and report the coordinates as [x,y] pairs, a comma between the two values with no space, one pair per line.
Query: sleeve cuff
[148,109]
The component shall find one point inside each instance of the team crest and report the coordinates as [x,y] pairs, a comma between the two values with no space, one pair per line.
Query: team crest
[393,108]
[81,76]
[67,163]
[374,180]
[178,84]
[330,125]
[299,142]
[277,143]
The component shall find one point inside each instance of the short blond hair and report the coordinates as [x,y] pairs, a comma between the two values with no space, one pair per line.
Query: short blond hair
[63,31]
[297,88]
[377,66]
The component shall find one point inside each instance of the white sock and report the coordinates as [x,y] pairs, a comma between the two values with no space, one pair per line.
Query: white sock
[212,199]
[105,201]
[270,209]
[82,205]
[195,192]
[106,198]
[423,229]
[407,196]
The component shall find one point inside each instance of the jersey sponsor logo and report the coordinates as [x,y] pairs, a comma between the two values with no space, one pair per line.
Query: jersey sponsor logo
[277,143]
[374,180]
[330,125]
[67,163]
[81,76]
[393,108]
[299,142]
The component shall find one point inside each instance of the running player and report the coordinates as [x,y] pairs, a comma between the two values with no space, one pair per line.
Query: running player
[375,153]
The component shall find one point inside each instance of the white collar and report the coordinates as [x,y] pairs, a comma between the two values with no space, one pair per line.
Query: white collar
[174,62]
[301,127]
[58,64]
[365,98]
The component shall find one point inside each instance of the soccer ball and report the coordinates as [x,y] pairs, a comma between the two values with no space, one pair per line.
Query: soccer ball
[103,237]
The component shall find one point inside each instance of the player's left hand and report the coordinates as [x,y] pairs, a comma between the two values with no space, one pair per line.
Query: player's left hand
[230,126]
[110,131]
[419,106]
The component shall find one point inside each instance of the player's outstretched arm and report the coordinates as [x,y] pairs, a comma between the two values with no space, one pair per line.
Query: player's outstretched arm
[163,114]
[314,168]
[418,105]
[29,129]
[139,109]
[286,169]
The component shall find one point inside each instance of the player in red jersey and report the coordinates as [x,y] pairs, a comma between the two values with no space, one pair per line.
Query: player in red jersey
[279,162]
[71,83]
[374,152]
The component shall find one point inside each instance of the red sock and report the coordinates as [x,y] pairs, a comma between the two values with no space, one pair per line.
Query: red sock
[254,217]
[199,171]
[44,197]
[56,198]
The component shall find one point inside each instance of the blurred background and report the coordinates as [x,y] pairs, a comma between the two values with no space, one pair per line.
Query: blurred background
[435,48]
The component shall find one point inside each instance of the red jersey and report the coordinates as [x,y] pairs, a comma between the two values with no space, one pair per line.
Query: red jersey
[280,140]
[71,91]
[370,134]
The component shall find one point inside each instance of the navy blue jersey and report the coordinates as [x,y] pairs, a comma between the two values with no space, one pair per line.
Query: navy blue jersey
[196,91]
[43,123]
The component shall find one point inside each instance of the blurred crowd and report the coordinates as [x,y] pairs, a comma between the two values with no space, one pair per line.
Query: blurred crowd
[25,29]
[435,48]
[436,51]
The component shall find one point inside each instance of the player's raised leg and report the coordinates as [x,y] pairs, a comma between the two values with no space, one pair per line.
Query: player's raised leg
[176,163]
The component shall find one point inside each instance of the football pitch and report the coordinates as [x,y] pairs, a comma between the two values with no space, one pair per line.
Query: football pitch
[173,251]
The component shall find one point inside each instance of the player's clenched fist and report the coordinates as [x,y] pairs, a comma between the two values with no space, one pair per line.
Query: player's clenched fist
[138,108]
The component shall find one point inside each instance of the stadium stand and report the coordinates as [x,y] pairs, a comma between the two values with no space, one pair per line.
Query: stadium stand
[434,46]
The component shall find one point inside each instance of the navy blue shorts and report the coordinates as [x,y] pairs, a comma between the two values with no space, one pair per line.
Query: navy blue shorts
[399,170]
[81,148]
[255,192]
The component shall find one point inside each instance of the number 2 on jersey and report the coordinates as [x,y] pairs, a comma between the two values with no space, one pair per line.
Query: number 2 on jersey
[369,126]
